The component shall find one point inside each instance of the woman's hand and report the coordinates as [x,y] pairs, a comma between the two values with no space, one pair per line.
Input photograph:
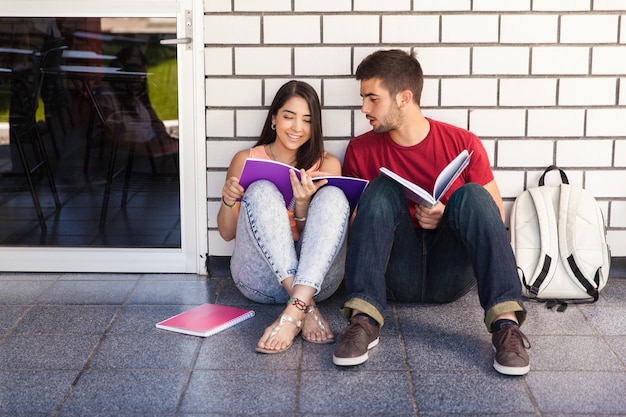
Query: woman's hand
[429,218]
[232,191]
[304,188]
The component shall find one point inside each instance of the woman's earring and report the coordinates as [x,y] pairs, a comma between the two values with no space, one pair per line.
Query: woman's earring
[273,126]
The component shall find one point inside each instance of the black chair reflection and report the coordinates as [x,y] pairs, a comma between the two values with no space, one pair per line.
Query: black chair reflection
[26,85]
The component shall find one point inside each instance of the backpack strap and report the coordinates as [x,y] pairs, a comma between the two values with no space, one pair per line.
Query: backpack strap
[549,252]
[568,209]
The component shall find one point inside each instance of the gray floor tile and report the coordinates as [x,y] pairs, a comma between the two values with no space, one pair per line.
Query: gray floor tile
[33,391]
[130,391]
[9,315]
[226,391]
[87,292]
[71,319]
[22,292]
[171,292]
[572,353]
[448,352]
[167,351]
[470,392]
[608,320]
[594,393]
[48,352]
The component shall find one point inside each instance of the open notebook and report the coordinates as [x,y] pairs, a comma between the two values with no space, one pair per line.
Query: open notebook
[205,320]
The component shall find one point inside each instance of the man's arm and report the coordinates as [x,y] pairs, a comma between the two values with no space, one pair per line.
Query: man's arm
[493,189]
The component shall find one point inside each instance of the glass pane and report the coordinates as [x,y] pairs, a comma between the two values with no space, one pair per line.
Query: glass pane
[88,133]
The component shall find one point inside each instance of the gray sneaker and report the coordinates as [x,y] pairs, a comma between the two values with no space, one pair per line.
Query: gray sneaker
[354,342]
[510,345]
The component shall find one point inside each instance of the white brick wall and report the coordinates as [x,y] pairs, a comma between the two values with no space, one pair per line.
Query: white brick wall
[541,82]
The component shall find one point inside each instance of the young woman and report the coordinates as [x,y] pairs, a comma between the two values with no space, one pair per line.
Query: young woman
[297,254]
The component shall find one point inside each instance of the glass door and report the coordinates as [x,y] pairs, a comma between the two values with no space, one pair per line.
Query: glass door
[97,152]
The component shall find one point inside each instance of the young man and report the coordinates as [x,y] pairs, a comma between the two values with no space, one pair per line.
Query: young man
[411,253]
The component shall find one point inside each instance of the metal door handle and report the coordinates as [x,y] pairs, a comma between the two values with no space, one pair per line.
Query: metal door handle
[175,41]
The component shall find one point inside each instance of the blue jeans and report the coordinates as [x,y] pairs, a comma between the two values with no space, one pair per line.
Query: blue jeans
[389,259]
[265,252]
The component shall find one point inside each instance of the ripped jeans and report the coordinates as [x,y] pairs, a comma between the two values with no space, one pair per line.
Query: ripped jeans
[265,252]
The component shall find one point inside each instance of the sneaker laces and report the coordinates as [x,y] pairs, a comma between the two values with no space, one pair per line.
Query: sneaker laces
[352,330]
[510,338]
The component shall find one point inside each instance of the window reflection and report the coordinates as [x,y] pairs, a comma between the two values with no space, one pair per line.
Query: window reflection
[88,132]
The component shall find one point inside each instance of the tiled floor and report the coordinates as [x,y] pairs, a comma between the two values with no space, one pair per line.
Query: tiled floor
[86,345]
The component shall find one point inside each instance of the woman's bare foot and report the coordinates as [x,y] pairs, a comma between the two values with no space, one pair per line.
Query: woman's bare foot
[316,329]
[279,336]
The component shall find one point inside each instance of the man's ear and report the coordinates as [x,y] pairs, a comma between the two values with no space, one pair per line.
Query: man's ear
[404,97]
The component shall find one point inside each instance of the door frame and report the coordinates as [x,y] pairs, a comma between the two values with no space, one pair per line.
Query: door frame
[191,257]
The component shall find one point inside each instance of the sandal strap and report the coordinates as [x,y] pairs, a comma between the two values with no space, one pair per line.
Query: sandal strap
[312,310]
[286,318]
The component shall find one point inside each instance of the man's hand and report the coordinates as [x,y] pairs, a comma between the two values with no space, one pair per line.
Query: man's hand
[429,218]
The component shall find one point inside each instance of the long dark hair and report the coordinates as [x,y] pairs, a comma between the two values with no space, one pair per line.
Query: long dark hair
[313,150]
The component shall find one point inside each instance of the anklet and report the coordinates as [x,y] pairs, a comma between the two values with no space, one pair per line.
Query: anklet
[297,303]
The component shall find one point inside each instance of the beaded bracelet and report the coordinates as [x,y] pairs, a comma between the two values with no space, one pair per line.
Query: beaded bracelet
[297,303]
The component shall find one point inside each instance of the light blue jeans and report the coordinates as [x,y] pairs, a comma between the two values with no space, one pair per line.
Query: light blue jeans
[265,252]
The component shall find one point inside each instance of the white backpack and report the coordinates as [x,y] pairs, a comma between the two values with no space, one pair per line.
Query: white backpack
[558,236]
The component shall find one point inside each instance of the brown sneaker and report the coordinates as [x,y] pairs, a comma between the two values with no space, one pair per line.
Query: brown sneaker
[510,345]
[354,342]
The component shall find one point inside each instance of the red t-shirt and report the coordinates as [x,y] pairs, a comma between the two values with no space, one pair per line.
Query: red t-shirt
[420,163]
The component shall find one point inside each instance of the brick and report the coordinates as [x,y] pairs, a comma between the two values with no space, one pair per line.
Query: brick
[510,183]
[250,123]
[469,28]
[219,247]
[262,6]
[501,6]
[351,29]
[322,61]
[272,85]
[587,91]
[606,184]
[377,5]
[218,61]
[217,6]
[606,122]
[223,92]
[232,29]
[220,153]
[336,122]
[430,93]
[410,29]
[361,124]
[608,60]
[220,123]
[455,117]
[618,214]
[561,5]
[584,153]
[620,153]
[323,5]
[501,60]
[525,153]
[556,122]
[336,147]
[528,92]
[341,92]
[622,91]
[259,61]
[571,60]
[617,241]
[444,60]
[469,92]
[597,29]
[517,29]
[614,5]
[498,122]
[291,29]
[441,5]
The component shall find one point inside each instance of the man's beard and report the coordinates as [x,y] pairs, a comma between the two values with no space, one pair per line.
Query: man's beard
[392,120]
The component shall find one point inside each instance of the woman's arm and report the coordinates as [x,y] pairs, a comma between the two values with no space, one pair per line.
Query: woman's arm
[232,192]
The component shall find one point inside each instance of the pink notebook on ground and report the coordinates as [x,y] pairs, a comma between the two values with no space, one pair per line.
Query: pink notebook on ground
[205,320]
